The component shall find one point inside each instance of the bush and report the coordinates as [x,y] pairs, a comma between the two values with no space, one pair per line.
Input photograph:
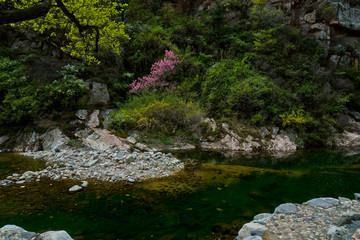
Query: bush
[22,100]
[161,114]
[232,88]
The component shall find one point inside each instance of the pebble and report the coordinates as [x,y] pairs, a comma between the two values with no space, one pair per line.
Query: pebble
[75,188]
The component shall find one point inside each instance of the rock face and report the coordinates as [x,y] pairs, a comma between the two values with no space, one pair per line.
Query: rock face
[269,141]
[93,121]
[4,139]
[101,139]
[26,142]
[53,140]
[99,94]
[333,23]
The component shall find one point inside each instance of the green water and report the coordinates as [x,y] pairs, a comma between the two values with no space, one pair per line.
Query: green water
[210,200]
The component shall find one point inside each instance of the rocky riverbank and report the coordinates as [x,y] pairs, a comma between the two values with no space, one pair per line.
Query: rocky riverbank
[107,165]
[13,232]
[319,218]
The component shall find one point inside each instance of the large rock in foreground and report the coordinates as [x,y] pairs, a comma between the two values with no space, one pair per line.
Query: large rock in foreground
[319,218]
[13,232]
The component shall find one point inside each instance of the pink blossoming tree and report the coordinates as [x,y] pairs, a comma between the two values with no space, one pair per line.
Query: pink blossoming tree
[159,72]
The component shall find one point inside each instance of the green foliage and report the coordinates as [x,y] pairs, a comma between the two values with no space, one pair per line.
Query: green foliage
[294,119]
[100,14]
[161,114]
[23,100]
[232,88]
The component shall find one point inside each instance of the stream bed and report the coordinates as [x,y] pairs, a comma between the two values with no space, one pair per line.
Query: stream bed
[210,199]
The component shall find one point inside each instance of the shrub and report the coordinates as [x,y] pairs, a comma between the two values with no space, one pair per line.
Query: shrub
[157,113]
[232,88]
[23,100]
[294,119]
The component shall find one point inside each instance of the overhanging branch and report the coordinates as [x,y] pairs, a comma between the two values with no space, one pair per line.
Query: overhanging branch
[82,28]
[18,15]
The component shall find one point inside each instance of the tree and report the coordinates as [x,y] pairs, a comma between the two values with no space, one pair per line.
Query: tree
[84,26]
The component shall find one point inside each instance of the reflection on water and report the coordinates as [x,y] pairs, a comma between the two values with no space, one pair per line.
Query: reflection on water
[211,200]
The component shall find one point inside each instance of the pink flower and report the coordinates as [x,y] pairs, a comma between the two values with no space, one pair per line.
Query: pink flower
[159,71]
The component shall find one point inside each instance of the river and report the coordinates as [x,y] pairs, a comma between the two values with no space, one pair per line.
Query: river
[210,199]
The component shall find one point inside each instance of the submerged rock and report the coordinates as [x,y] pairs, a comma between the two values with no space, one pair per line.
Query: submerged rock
[75,188]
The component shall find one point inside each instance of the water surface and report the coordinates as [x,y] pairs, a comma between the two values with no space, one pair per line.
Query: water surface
[211,199]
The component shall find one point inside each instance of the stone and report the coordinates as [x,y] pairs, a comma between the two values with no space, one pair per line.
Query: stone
[58,177]
[54,139]
[99,94]
[129,158]
[55,235]
[347,139]
[324,202]
[348,218]
[105,115]
[334,60]
[91,163]
[334,233]
[355,115]
[356,235]
[264,132]
[84,184]
[93,121]
[211,122]
[27,142]
[310,17]
[287,208]
[3,139]
[253,238]
[357,196]
[349,123]
[282,142]
[140,146]
[231,143]
[131,140]
[262,216]
[101,139]
[15,232]
[246,230]
[347,16]
[82,114]
[274,131]
[75,188]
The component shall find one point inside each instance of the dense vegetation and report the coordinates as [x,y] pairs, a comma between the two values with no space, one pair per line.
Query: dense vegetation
[236,61]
